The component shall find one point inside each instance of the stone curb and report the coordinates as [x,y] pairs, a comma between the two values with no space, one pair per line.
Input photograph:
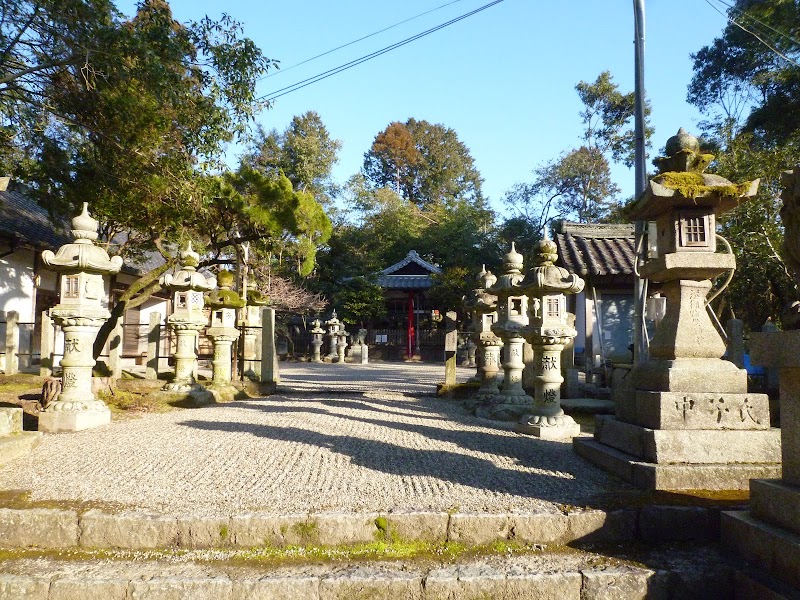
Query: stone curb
[451,582]
[54,528]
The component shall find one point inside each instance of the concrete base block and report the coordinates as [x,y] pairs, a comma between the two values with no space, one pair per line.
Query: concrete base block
[68,421]
[567,430]
[672,477]
[19,444]
[416,525]
[776,503]
[478,529]
[770,548]
[38,528]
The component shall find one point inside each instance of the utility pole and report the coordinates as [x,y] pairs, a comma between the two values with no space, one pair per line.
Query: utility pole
[640,290]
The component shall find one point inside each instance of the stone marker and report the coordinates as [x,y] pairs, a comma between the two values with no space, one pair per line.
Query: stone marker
[252,332]
[450,348]
[685,398]
[80,314]
[12,343]
[153,342]
[269,351]
[734,329]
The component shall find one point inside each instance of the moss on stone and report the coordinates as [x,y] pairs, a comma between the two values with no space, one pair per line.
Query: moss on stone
[692,185]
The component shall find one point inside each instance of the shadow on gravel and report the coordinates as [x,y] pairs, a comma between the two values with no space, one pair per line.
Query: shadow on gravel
[379,406]
[557,483]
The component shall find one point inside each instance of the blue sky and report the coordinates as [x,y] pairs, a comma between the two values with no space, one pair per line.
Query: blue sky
[503,79]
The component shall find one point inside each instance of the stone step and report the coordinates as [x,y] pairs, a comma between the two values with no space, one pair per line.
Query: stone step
[672,477]
[776,502]
[57,528]
[18,444]
[775,550]
[563,575]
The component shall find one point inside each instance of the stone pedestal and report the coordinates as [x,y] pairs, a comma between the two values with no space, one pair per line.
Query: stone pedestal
[223,338]
[364,354]
[769,533]
[489,348]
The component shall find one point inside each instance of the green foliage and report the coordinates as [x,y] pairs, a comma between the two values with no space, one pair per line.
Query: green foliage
[449,288]
[304,152]
[750,95]
[577,185]
[360,301]
[424,163]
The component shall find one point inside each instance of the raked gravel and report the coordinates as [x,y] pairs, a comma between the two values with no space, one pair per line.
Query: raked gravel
[335,438]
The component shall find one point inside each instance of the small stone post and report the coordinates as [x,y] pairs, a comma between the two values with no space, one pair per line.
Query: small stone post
[115,350]
[269,354]
[12,343]
[46,346]
[450,349]
[734,328]
[80,314]
[153,339]
[316,340]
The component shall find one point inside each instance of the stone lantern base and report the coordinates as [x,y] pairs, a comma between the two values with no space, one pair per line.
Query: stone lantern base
[558,428]
[63,421]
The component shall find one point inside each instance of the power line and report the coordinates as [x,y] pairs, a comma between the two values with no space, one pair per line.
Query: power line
[753,33]
[325,74]
[358,40]
[744,14]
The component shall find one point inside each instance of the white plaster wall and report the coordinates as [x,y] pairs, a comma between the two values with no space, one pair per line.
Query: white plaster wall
[16,285]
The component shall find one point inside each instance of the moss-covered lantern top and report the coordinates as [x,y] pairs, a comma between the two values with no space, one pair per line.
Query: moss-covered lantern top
[224,297]
[681,183]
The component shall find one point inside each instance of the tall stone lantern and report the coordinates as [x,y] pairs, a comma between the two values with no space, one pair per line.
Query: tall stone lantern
[546,286]
[80,314]
[223,303]
[316,340]
[483,307]
[187,318]
[512,315]
[334,326]
[690,423]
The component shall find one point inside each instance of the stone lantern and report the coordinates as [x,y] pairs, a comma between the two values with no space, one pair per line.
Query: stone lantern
[223,303]
[483,307]
[316,339]
[546,286]
[187,319]
[334,326]
[341,345]
[256,301]
[80,314]
[512,315]
[690,422]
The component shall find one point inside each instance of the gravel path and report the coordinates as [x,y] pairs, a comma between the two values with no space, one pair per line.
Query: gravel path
[350,438]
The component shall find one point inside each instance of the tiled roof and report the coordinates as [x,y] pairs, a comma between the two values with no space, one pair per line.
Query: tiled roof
[23,221]
[412,256]
[405,282]
[596,249]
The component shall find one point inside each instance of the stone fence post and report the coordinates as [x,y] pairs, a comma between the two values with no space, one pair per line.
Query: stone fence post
[269,355]
[12,343]
[47,346]
[115,350]
[153,340]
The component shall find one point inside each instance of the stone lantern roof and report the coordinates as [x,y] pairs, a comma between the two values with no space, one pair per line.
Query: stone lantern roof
[187,277]
[681,183]
[82,254]
[479,299]
[224,297]
[511,275]
[546,278]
